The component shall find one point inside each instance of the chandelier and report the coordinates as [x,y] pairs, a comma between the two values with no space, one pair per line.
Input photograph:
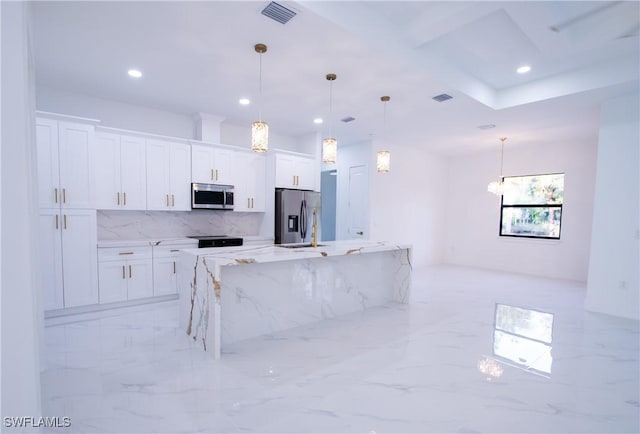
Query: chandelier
[497,187]
[260,129]
[330,144]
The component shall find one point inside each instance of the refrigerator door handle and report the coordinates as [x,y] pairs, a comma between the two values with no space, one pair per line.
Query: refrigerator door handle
[303,220]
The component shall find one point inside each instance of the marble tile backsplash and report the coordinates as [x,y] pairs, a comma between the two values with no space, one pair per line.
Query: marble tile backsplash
[123,225]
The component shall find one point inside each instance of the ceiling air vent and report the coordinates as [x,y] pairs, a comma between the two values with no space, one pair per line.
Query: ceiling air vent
[348,119]
[487,126]
[278,13]
[442,97]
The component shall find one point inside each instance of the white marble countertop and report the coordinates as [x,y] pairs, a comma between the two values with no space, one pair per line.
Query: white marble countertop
[274,253]
[145,242]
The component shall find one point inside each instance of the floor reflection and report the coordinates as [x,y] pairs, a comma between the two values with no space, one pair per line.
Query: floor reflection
[523,337]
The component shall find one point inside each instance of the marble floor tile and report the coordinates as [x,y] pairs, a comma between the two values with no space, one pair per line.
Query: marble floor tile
[437,364]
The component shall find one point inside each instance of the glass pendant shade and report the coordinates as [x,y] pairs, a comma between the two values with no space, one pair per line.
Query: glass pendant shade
[384,161]
[329,150]
[259,136]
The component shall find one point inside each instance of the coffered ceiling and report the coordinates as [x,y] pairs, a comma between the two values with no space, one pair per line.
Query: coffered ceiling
[199,57]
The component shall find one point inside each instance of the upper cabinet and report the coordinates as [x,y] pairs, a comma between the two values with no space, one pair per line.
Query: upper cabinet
[250,188]
[65,152]
[121,174]
[297,172]
[168,176]
[211,165]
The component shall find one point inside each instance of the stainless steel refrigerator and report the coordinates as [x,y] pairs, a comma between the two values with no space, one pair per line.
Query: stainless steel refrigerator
[294,215]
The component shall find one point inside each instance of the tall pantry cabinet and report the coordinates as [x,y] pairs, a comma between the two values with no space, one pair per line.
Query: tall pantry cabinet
[68,238]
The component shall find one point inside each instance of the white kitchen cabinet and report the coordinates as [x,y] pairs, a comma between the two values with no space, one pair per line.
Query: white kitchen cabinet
[250,190]
[168,176]
[165,258]
[121,174]
[125,273]
[211,165]
[68,257]
[293,171]
[65,153]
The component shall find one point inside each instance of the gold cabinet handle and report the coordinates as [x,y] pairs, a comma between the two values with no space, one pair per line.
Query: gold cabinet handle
[173,200]
[216,174]
[123,275]
[57,225]
[167,200]
[124,195]
[125,253]
[55,194]
[64,218]
[129,271]
[174,267]
[118,198]
[64,195]
[212,174]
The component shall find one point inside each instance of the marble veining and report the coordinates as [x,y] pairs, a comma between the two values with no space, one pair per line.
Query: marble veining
[125,225]
[236,293]
[410,368]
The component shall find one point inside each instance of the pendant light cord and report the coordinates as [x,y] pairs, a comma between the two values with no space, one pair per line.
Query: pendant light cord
[260,91]
[330,107]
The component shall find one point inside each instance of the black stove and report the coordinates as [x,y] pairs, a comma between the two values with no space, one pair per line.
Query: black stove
[217,241]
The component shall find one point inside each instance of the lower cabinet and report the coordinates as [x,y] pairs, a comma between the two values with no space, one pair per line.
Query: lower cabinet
[67,245]
[165,267]
[125,273]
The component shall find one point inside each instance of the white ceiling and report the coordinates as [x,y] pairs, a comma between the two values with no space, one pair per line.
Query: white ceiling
[199,57]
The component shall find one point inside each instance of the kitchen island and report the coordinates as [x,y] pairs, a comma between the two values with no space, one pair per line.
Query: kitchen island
[235,293]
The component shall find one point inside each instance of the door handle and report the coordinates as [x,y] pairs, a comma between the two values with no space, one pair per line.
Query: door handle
[118,198]
[123,275]
[173,200]
[64,195]
[216,174]
[57,225]
[251,202]
[167,199]
[359,233]
[125,197]
[174,267]
[129,271]
[248,203]
[55,194]
[64,218]
[212,174]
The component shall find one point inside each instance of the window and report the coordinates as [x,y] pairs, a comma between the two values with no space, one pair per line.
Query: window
[532,206]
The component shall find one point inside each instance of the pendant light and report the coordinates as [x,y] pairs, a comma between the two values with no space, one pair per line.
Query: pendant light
[329,144]
[497,187]
[384,157]
[260,129]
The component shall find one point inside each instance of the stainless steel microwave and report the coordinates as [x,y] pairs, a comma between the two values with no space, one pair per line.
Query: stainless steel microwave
[211,196]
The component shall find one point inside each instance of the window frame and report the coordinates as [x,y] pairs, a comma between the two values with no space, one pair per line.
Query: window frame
[549,206]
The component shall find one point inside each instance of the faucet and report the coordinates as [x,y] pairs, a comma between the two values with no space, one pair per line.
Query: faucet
[314,232]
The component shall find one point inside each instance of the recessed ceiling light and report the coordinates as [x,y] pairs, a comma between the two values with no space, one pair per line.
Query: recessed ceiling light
[318,121]
[134,73]
[244,101]
[523,69]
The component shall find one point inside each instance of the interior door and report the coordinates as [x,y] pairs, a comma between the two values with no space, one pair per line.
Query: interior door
[358,202]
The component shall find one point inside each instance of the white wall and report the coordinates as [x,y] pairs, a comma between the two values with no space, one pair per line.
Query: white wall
[407,204]
[21,312]
[473,214]
[614,286]
[117,114]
